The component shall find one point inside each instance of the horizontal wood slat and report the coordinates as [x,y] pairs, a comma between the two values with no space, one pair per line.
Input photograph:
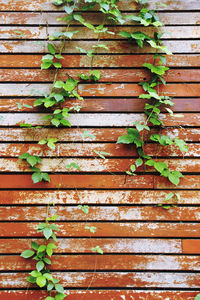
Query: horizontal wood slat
[107,262]
[100,134]
[93,197]
[106,61]
[42,18]
[97,165]
[104,213]
[98,120]
[42,5]
[115,47]
[111,279]
[87,150]
[177,32]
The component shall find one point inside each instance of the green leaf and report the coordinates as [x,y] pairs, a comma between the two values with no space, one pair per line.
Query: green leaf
[73,165]
[92,229]
[197,297]
[42,248]
[97,249]
[27,253]
[55,122]
[41,281]
[51,48]
[133,168]
[125,34]
[125,139]
[49,297]
[138,162]
[48,276]
[181,144]
[160,166]
[59,288]
[169,196]
[60,296]
[40,265]
[160,70]
[34,245]
[35,273]
[47,233]
[46,65]
[84,208]
[42,142]
[36,177]
[31,279]
[101,153]
[50,286]
[47,261]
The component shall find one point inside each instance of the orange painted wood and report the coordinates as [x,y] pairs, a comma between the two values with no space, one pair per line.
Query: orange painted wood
[101,134]
[100,104]
[107,262]
[78,181]
[105,229]
[102,295]
[106,61]
[102,90]
[103,213]
[30,18]
[97,165]
[107,75]
[87,150]
[151,197]
[42,5]
[109,245]
[40,33]
[111,279]
[188,182]
[191,246]
[23,46]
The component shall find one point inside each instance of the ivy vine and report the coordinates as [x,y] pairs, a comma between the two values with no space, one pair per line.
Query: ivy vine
[60,108]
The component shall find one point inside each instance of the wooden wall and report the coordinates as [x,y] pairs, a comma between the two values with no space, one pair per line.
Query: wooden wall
[150,253]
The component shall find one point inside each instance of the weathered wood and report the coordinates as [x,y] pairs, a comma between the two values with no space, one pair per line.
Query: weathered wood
[107,75]
[87,150]
[191,246]
[107,262]
[101,90]
[106,61]
[111,279]
[100,134]
[97,165]
[113,213]
[27,33]
[102,295]
[98,120]
[45,5]
[41,18]
[109,245]
[94,197]
[179,46]
[105,229]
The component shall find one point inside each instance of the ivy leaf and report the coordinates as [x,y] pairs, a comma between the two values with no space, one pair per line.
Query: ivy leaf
[59,288]
[125,34]
[160,166]
[160,70]
[27,253]
[40,265]
[181,144]
[34,245]
[35,273]
[169,196]
[97,249]
[138,162]
[36,177]
[73,165]
[47,233]
[84,208]
[125,139]
[197,297]
[60,296]
[101,153]
[92,229]
[50,287]
[51,48]
[41,281]
[49,297]
[174,177]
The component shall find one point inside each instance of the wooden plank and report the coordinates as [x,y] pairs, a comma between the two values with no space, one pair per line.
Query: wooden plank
[98,120]
[109,245]
[113,213]
[191,246]
[188,182]
[105,229]
[107,75]
[107,262]
[78,181]
[45,5]
[41,18]
[101,90]
[87,150]
[110,279]
[106,61]
[102,295]
[177,32]
[97,165]
[93,197]
[100,105]
[100,134]
[179,46]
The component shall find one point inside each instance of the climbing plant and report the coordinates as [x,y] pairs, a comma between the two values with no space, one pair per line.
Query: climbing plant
[57,101]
